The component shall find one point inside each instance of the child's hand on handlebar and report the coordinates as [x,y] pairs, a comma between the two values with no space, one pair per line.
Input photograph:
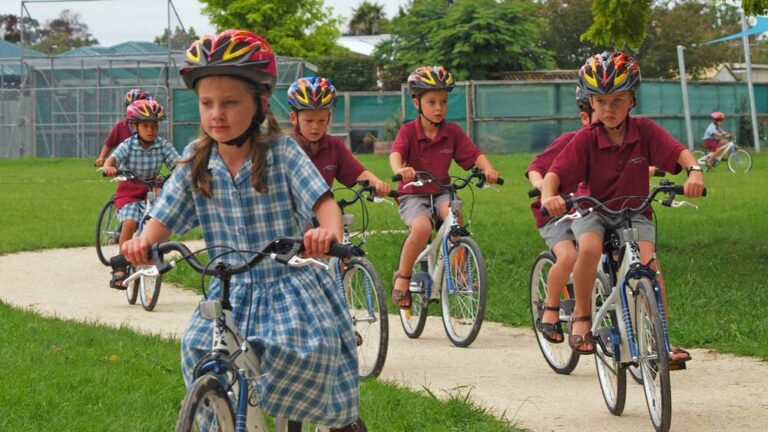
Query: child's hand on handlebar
[382,188]
[136,251]
[491,176]
[408,174]
[694,186]
[555,205]
[317,241]
[109,171]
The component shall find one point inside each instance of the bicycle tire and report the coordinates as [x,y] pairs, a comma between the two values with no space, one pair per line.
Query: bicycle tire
[414,319]
[107,232]
[149,291]
[654,362]
[739,161]
[206,393]
[699,155]
[611,374]
[132,290]
[463,309]
[559,356]
[368,306]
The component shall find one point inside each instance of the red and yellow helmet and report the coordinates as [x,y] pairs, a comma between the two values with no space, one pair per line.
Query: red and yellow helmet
[428,78]
[135,94]
[609,73]
[145,110]
[231,52]
[312,93]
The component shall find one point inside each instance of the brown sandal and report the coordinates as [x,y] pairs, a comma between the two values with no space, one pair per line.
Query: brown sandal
[575,341]
[549,330]
[398,296]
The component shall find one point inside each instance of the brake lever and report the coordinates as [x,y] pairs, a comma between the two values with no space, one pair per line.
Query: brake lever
[417,183]
[382,200]
[487,186]
[296,261]
[572,216]
[149,271]
[676,204]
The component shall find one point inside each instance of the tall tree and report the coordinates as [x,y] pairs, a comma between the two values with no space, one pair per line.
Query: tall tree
[298,28]
[11,29]
[179,40]
[565,21]
[367,19]
[473,38]
[64,33]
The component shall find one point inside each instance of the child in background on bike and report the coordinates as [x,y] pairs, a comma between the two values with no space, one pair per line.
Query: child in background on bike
[557,235]
[245,185]
[613,156]
[144,153]
[121,131]
[312,100]
[715,138]
[430,144]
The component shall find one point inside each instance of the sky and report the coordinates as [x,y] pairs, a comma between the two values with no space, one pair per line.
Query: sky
[116,21]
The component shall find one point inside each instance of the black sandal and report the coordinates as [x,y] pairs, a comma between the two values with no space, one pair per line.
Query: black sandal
[117,279]
[398,296]
[575,341]
[549,330]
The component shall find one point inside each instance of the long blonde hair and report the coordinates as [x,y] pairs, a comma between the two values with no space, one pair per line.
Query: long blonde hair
[201,177]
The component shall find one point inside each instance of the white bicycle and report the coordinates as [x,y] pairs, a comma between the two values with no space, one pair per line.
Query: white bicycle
[738,160]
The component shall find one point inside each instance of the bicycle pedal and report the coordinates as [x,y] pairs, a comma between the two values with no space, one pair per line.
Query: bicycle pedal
[677,366]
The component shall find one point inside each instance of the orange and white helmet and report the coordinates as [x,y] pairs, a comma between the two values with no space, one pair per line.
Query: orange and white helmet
[231,52]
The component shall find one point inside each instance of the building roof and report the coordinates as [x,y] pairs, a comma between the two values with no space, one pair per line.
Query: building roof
[12,50]
[122,49]
[362,44]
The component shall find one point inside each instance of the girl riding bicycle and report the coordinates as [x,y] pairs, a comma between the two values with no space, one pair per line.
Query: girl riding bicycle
[244,184]
[613,156]
[144,153]
[715,137]
[312,100]
[430,144]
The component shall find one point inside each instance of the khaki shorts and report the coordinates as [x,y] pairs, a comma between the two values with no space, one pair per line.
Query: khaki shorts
[598,223]
[555,233]
[413,206]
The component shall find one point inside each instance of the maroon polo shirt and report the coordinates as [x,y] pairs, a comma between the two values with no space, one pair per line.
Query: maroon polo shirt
[119,133]
[434,155]
[335,161]
[617,171]
[541,164]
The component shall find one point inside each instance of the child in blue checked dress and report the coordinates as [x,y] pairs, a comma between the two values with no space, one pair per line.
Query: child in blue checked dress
[245,185]
[144,153]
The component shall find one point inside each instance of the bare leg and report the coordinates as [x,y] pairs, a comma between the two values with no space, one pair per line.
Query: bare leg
[584,274]
[421,229]
[566,255]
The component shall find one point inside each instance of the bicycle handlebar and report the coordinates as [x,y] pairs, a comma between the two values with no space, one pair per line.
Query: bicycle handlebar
[475,172]
[535,192]
[130,175]
[364,188]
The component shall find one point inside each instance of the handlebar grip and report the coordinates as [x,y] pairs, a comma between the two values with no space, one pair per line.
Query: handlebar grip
[344,251]
[394,194]
[659,173]
[500,181]
[397,177]
[533,193]
[680,190]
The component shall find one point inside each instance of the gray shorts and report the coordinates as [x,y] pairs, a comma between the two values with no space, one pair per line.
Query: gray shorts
[555,233]
[596,222]
[413,206]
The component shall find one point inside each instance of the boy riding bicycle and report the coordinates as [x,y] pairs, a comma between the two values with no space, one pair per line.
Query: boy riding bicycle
[613,155]
[144,153]
[312,100]
[121,130]
[430,144]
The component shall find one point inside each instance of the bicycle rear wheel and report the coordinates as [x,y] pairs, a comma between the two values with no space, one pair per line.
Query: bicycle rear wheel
[132,290]
[611,374]
[559,356]
[367,304]
[206,407]
[107,232]
[740,161]
[464,306]
[414,319]
[700,157]
[653,356]
[149,291]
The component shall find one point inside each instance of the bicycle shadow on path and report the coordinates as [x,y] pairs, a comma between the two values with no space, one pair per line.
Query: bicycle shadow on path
[503,370]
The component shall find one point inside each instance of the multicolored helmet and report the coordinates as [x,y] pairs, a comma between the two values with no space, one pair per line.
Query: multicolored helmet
[312,93]
[145,110]
[608,73]
[231,52]
[582,101]
[428,78]
[717,115]
[136,94]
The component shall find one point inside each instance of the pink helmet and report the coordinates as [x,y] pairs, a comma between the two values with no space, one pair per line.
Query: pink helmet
[717,115]
[145,110]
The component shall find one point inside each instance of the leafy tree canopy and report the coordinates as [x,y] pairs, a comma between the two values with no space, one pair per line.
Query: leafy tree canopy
[179,40]
[368,19]
[64,33]
[297,28]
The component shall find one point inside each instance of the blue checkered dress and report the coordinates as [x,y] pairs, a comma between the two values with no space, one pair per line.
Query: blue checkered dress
[298,318]
[146,164]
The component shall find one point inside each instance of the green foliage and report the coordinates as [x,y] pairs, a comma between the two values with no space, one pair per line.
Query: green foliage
[368,19]
[619,23]
[10,29]
[350,72]
[64,33]
[473,38]
[755,7]
[179,40]
[296,28]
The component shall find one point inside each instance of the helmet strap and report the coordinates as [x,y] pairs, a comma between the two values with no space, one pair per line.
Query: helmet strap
[256,122]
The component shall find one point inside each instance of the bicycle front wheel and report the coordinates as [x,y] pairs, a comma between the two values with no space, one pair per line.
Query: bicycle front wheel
[132,290]
[414,318]
[610,372]
[149,291]
[559,356]
[206,407]
[107,232]
[463,302]
[740,161]
[653,356]
[365,296]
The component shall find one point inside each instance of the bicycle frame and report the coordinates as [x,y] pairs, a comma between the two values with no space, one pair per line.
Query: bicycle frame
[730,147]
